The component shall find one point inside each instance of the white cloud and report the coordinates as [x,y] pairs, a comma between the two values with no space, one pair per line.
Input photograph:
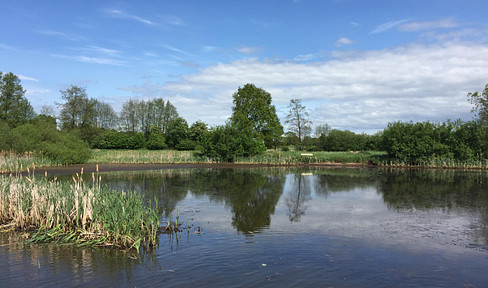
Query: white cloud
[344,41]
[361,91]
[420,26]
[387,26]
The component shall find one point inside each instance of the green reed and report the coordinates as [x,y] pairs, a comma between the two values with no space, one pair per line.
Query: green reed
[77,212]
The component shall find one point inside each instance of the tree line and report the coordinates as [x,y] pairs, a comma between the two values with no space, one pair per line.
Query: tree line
[253,127]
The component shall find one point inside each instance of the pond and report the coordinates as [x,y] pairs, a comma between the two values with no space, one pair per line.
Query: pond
[284,227]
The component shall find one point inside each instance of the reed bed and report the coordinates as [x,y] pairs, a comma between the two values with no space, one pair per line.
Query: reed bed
[14,162]
[77,212]
[145,156]
[271,157]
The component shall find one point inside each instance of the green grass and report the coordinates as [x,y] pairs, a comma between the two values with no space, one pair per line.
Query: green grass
[75,212]
[13,162]
[145,156]
[271,157]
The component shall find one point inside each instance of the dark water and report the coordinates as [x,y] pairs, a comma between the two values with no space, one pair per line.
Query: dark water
[284,228]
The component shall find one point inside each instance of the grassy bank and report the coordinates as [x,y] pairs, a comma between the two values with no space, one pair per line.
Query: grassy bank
[145,156]
[271,157]
[76,213]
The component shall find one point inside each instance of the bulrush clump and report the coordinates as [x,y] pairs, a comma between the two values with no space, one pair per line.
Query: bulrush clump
[77,212]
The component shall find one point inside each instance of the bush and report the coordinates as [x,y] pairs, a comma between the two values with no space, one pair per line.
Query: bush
[225,143]
[156,141]
[42,137]
[68,149]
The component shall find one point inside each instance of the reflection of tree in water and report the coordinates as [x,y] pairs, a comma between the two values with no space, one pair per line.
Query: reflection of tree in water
[438,189]
[251,195]
[299,190]
[167,186]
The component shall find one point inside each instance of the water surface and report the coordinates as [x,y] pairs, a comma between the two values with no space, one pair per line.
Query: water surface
[276,227]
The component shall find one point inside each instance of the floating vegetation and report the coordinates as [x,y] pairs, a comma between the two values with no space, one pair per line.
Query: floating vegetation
[76,212]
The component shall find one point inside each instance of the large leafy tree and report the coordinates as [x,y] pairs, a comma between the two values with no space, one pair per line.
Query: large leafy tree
[297,120]
[252,108]
[14,107]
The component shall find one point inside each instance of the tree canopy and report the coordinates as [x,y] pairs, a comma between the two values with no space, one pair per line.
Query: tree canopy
[252,108]
[14,107]
[480,102]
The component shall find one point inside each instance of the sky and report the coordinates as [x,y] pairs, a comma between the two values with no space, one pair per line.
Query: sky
[356,64]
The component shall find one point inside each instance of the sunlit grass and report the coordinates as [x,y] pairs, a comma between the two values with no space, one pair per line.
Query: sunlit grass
[145,156]
[77,212]
[13,162]
[271,157]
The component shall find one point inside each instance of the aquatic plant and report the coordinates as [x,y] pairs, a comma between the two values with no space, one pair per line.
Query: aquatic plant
[77,212]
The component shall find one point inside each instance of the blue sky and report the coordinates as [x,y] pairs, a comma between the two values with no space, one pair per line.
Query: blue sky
[356,64]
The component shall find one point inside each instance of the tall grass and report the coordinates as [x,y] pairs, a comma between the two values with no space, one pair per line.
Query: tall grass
[76,212]
[271,157]
[14,162]
[145,156]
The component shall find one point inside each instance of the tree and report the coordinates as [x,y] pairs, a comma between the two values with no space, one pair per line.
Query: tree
[48,110]
[128,116]
[14,107]
[177,132]
[78,111]
[480,102]
[105,118]
[169,114]
[323,129]
[225,143]
[197,131]
[252,108]
[297,119]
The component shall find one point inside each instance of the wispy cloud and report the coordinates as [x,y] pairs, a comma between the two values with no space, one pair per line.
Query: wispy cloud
[27,78]
[116,13]
[420,26]
[248,49]
[174,49]
[343,41]
[63,35]
[6,47]
[91,59]
[387,26]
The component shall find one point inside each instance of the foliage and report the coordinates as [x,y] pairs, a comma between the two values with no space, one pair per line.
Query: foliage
[14,107]
[142,116]
[297,119]
[252,108]
[480,102]
[105,118]
[419,143]
[156,141]
[41,136]
[177,132]
[112,139]
[323,129]
[78,110]
[338,140]
[225,143]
